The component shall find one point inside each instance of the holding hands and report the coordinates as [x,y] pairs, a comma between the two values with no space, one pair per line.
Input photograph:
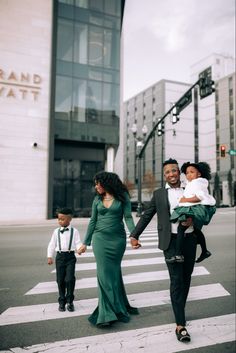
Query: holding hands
[135,243]
[82,249]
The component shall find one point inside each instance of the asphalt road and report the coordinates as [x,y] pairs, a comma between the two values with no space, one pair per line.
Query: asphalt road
[24,265]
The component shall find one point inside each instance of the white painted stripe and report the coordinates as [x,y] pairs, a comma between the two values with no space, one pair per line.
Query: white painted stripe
[91,282]
[125,263]
[147,238]
[204,332]
[147,243]
[40,312]
[136,252]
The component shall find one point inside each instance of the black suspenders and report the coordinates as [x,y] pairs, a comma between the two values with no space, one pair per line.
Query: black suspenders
[59,239]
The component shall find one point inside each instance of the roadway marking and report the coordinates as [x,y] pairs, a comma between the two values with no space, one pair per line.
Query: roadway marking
[91,282]
[40,312]
[204,332]
[125,263]
[127,252]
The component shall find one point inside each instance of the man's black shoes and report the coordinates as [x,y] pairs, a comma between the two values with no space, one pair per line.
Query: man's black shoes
[203,256]
[183,335]
[70,307]
[61,307]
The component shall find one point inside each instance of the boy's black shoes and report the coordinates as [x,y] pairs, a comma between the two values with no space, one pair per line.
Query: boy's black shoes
[183,335]
[61,307]
[70,307]
[203,256]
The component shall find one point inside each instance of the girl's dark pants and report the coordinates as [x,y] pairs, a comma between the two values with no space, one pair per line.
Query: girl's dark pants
[65,267]
[180,274]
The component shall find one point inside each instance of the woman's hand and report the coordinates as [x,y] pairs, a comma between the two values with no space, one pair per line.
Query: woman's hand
[135,243]
[82,249]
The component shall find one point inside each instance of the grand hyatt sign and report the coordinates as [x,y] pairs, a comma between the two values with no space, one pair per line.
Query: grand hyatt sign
[21,85]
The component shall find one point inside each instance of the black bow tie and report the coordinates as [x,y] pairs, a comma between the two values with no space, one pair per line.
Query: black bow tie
[63,230]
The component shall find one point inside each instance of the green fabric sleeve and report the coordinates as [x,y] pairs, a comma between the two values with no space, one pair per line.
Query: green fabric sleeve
[92,223]
[128,214]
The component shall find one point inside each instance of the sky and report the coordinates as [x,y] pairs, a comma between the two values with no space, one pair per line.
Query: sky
[163,38]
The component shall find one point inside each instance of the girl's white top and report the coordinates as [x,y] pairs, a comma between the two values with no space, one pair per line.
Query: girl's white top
[198,187]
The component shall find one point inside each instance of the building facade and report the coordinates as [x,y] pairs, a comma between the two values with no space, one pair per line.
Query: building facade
[59,102]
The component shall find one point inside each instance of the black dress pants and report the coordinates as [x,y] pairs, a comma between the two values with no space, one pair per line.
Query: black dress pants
[65,267]
[180,274]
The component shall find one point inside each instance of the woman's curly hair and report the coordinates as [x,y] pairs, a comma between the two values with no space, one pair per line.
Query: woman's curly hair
[203,168]
[112,184]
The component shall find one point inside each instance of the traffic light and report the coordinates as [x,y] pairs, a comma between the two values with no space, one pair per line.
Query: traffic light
[174,117]
[222,151]
[161,128]
[206,86]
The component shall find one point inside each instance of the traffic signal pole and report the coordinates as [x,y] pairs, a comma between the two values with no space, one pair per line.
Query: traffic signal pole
[203,81]
[176,105]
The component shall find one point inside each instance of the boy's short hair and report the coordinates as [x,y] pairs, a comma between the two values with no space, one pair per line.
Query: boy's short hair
[169,161]
[65,210]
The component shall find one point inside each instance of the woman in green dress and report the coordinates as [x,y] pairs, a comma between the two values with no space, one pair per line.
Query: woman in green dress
[107,234]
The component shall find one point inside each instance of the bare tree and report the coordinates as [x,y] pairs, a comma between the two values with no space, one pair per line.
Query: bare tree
[149,182]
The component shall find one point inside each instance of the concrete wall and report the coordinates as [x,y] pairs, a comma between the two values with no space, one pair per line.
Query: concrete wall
[25,46]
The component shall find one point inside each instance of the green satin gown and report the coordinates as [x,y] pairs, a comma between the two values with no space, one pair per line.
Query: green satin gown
[107,233]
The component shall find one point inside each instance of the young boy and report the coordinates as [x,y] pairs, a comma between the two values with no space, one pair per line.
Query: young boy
[65,241]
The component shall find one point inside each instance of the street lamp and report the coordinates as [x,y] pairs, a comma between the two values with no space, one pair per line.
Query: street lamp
[139,145]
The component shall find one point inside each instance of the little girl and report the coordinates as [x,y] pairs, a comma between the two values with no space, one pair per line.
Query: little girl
[197,204]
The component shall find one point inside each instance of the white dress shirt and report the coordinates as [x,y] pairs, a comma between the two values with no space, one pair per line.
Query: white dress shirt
[174,194]
[65,241]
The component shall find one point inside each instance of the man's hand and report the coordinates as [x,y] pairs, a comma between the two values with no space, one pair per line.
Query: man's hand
[135,243]
[188,222]
[50,260]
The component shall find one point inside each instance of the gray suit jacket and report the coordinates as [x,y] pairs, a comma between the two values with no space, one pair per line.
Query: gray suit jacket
[159,205]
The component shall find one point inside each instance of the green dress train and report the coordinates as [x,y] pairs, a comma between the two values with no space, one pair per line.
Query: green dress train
[107,233]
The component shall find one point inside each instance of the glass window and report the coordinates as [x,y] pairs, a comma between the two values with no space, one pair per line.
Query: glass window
[96,46]
[111,98]
[79,100]
[63,97]
[93,101]
[65,40]
[95,74]
[107,48]
[81,3]
[67,2]
[96,5]
[96,19]
[80,43]
[112,7]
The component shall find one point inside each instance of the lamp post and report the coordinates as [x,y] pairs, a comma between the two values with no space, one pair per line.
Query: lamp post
[139,145]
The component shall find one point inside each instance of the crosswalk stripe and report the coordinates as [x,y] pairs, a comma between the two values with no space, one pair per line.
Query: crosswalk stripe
[136,252]
[91,282]
[40,312]
[204,332]
[125,263]
[147,243]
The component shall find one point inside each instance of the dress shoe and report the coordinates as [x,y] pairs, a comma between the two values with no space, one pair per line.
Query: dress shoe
[70,307]
[61,307]
[183,335]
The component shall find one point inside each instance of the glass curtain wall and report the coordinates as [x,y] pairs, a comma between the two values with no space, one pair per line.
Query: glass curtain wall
[87,65]
[86,110]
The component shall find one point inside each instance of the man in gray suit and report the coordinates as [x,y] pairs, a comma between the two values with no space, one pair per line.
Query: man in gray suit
[163,202]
